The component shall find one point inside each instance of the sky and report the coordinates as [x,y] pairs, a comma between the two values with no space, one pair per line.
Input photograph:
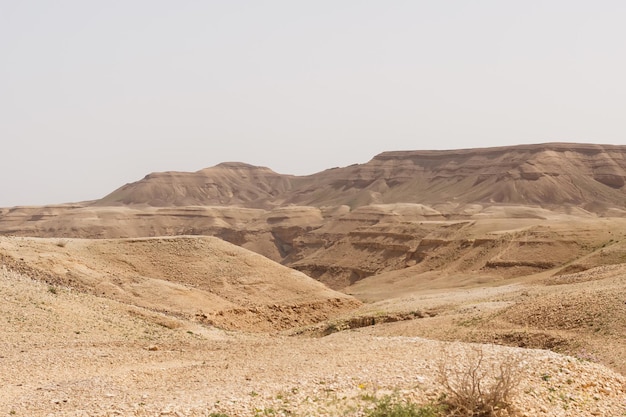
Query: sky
[96,94]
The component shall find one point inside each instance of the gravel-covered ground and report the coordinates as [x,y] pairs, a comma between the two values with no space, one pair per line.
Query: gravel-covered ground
[64,353]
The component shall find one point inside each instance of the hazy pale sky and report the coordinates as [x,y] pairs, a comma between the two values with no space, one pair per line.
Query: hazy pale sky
[95,94]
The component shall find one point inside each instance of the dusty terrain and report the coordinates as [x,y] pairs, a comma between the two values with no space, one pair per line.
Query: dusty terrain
[66,352]
[168,297]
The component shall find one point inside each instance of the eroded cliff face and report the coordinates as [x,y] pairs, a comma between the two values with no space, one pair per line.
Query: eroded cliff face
[486,246]
[341,247]
[546,175]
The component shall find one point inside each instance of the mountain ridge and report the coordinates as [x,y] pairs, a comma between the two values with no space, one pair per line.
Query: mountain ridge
[587,175]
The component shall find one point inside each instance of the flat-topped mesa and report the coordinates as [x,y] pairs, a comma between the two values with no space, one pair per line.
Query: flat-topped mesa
[602,162]
[555,159]
[586,175]
[584,148]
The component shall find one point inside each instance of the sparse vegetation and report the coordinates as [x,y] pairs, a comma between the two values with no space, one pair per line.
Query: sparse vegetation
[476,387]
[389,407]
[267,411]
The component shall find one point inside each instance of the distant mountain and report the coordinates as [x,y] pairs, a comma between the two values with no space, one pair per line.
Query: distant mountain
[226,184]
[585,175]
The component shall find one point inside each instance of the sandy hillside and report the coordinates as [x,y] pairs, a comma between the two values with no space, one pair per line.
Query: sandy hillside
[202,278]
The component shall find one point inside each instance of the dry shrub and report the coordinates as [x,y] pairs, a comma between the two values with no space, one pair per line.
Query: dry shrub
[477,387]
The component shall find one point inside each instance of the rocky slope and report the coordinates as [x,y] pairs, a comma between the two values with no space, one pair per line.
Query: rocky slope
[581,314]
[200,278]
[229,183]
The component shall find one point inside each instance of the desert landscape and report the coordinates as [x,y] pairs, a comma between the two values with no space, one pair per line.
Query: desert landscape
[239,291]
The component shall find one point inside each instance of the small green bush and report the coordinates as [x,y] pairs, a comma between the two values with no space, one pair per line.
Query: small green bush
[387,407]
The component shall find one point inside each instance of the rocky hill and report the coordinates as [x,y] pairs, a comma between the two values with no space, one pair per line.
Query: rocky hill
[226,184]
[547,175]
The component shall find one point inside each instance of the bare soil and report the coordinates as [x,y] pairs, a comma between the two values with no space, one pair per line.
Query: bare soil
[69,348]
